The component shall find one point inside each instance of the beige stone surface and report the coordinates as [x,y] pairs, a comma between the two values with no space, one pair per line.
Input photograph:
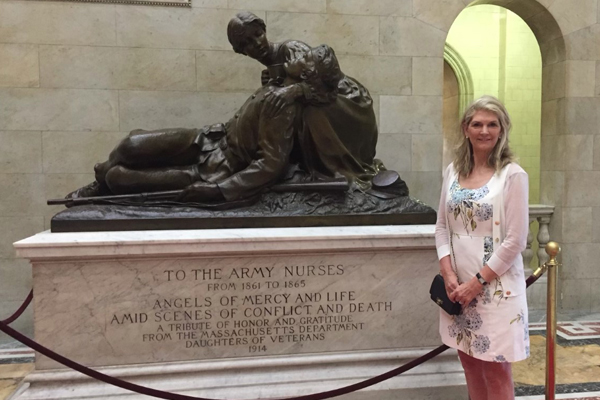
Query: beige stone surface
[439,13]
[57,186]
[552,153]
[371,291]
[595,295]
[577,188]
[8,371]
[309,6]
[553,81]
[117,68]
[155,110]
[7,387]
[596,224]
[16,279]
[575,294]
[552,118]
[410,37]
[57,23]
[578,152]
[209,3]
[597,152]
[580,261]
[577,224]
[411,114]
[425,186]
[20,152]
[584,44]
[544,26]
[573,15]
[597,76]
[346,34]
[380,75]
[427,152]
[581,115]
[384,8]
[552,188]
[427,76]
[22,195]
[226,71]
[581,78]
[19,67]
[175,28]
[553,51]
[58,109]
[395,150]
[84,149]
[14,229]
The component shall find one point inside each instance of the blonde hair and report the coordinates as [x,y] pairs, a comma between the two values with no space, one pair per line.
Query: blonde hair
[501,155]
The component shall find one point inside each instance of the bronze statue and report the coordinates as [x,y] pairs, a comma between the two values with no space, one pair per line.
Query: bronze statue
[219,162]
[338,134]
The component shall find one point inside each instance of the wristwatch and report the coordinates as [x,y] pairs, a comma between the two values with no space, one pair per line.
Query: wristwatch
[480,279]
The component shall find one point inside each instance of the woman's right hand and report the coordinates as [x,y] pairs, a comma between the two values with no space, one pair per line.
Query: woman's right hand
[451,283]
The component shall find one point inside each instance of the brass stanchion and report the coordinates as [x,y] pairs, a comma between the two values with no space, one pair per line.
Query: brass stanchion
[552,249]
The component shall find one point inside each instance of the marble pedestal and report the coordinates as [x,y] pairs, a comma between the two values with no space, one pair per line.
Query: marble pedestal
[245,313]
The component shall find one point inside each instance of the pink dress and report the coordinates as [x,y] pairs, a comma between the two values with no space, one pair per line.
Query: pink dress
[494,326]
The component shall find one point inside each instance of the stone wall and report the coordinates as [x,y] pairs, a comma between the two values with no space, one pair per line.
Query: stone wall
[75,77]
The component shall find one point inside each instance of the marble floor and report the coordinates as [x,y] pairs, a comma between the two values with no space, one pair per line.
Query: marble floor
[577,375]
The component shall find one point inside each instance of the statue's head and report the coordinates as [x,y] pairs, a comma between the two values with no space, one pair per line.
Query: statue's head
[247,33]
[319,68]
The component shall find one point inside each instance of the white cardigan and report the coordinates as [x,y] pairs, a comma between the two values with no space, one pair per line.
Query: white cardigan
[510,229]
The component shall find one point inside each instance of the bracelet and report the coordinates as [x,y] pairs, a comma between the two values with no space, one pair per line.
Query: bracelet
[480,279]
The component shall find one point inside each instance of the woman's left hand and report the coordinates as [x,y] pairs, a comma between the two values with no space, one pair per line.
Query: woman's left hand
[280,97]
[466,292]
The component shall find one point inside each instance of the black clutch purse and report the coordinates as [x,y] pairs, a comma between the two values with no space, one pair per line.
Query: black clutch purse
[440,297]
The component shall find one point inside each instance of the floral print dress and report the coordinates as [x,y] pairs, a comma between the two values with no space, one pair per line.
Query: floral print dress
[492,327]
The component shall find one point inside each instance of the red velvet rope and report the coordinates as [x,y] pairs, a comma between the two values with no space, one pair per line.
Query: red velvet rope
[173,396]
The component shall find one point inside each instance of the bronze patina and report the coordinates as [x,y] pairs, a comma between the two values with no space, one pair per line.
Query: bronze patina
[303,135]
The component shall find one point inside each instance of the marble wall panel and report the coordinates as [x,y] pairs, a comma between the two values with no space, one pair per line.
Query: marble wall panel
[596,224]
[14,229]
[581,116]
[597,76]
[583,44]
[438,13]
[117,68]
[209,3]
[58,109]
[57,186]
[22,195]
[57,23]
[552,118]
[425,186]
[402,36]
[595,295]
[346,34]
[573,15]
[578,189]
[577,224]
[581,78]
[427,153]
[427,76]
[20,152]
[174,28]
[553,81]
[226,71]
[575,294]
[386,8]
[395,150]
[309,6]
[553,51]
[16,279]
[19,67]
[597,152]
[552,156]
[578,152]
[380,75]
[544,26]
[154,110]
[411,114]
[84,149]
[580,261]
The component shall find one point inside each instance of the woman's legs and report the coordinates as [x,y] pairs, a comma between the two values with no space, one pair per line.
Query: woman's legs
[487,380]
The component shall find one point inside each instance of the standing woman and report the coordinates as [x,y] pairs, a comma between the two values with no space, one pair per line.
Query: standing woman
[481,230]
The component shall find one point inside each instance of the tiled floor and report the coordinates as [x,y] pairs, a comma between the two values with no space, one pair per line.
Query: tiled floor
[577,375]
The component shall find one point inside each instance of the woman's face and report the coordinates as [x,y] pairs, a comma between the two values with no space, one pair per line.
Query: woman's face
[254,42]
[483,131]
